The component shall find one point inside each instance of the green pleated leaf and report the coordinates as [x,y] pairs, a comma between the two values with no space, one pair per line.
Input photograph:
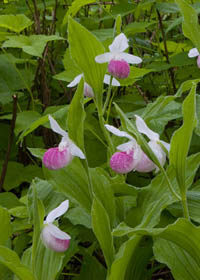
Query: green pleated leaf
[33,44]
[15,23]
[183,233]
[181,264]
[181,139]
[104,192]
[123,257]
[76,117]
[10,259]
[72,180]
[93,268]
[190,23]
[102,230]
[5,225]
[84,47]
[76,6]
[47,263]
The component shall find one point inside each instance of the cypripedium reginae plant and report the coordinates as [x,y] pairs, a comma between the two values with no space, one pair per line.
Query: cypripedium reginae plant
[58,157]
[118,60]
[195,53]
[52,237]
[88,91]
[131,157]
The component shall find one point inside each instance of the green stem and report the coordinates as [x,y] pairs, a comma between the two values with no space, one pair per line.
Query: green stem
[185,207]
[109,106]
[105,132]
[170,185]
[108,95]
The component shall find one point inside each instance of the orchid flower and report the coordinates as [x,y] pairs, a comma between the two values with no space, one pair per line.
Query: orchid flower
[88,91]
[130,153]
[154,141]
[55,158]
[195,53]
[52,237]
[118,59]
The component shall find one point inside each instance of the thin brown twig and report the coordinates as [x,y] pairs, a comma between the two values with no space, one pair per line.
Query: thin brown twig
[36,17]
[142,93]
[54,73]
[29,6]
[166,51]
[10,141]
[52,28]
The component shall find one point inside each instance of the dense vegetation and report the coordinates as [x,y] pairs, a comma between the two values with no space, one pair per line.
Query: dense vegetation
[130,210]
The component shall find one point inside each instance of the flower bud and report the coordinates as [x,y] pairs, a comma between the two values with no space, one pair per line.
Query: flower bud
[54,158]
[122,162]
[119,68]
[55,239]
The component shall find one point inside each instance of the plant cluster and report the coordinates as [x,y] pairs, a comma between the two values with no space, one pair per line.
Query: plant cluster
[77,199]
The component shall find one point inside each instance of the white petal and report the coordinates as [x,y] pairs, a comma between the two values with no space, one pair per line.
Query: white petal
[118,132]
[129,58]
[105,57]
[56,128]
[75,81]
[158,151]
[55,239]
[114,81]
[119,44]
[166,145]
[75,151]
[193,52]
[57,212]
[126,147]
[143,128]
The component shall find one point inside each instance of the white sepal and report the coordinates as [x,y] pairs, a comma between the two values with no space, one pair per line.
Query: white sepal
[57,212]
[105,57]
[119,44]
[114,81]
[143,128]
[52,230]
[75,81]
[56,128]
[158,151]
[88,91]
[75,151]
[193,52]
[129,58]
[118,132]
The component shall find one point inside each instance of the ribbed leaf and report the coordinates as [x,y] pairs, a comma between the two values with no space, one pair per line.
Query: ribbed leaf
[10,259]
[190,24]
[181,264]
[15,23]
[102,230]
[181,139]
[84,47]
[76,117]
